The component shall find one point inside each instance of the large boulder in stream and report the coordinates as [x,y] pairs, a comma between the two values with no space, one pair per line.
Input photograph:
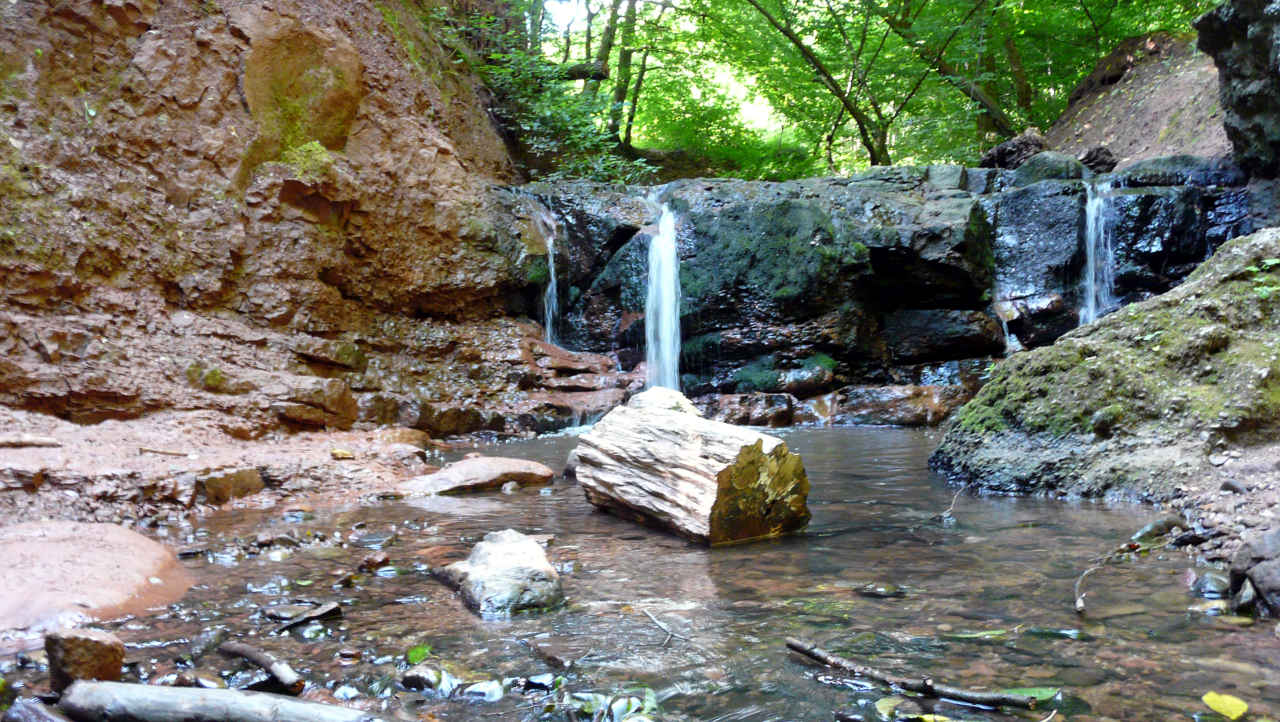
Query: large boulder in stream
[480,473]
[507,572]
[656,461]
[1159,400]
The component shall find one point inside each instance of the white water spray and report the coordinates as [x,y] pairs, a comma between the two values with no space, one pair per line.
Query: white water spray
[1099,269]
[662,307]
[549,229]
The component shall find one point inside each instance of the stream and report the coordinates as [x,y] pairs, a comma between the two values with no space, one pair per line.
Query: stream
[986,600]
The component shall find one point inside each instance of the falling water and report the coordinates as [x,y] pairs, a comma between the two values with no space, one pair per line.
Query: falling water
[1099,270]
[662,308]
[550,297]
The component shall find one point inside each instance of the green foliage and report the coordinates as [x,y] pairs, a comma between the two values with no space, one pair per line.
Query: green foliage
[310,159]
[418,653]
[7,695]
[562,131]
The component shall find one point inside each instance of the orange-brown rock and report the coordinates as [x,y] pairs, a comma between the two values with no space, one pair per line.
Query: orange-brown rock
[83,654]
[59,573]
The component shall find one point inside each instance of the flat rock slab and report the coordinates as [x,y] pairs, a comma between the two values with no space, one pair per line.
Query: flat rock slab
[60,573]
[83,654]
[480,473]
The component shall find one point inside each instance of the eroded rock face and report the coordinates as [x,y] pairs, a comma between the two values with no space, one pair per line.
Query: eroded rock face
[506,573]
[1241,36]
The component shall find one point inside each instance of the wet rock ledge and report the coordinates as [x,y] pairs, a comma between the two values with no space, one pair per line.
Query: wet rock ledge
[1174,400]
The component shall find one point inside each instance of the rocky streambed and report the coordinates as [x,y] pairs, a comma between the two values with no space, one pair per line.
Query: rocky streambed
[895,570]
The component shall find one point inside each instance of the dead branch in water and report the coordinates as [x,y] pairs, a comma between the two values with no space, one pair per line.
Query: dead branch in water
[277,668]
[922,685]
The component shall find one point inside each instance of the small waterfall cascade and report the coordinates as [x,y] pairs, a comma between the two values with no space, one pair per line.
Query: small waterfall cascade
[1099,272]
[549,229]
[662,306]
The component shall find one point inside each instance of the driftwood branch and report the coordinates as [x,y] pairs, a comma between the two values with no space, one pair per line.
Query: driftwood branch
[161,452]
[277,668]
[90,701]
[18,441]
[664,628]
[922,685]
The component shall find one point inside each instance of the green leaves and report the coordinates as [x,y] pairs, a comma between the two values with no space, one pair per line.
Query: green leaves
[1232,708]
[1041,694]
[418,653]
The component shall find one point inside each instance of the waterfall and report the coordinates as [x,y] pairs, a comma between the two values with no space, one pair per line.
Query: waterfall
[1099,271]
[549,229]
[662,307]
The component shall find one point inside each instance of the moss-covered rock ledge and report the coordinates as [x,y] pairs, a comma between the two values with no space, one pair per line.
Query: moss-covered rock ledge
[1164,401]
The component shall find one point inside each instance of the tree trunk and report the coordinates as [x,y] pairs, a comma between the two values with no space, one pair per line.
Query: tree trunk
[586,41]
[120,702]
[705,480]
[635,94]
[537,11]
[623,83]
[606,47]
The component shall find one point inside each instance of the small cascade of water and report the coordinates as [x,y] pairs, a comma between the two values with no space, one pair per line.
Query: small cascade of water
[662,307]
[549,228]
[1099,271]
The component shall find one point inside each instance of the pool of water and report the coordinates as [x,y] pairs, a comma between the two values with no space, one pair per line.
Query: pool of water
[988,600]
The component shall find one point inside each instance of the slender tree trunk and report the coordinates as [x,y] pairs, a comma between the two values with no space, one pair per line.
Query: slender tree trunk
[586,43]
[622,84]
[873,138]
[606,46]
[537,11]
[635,94]
[568,42]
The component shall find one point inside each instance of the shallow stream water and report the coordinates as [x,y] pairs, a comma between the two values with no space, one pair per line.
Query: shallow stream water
[987,603]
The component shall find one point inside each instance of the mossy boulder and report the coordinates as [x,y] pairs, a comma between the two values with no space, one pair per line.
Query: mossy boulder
[1132,404]
[303,87]
[1048,165]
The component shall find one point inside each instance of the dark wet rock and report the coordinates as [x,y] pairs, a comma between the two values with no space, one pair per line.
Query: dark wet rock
[1258,562]
[480,473]
[1048,165]
[1155,529]
[1014,152]
[898,405]
[1245,599]
[1241,35]
[881,590]
[1030,428]
[1099,159]
[1234,486]
[83,654]
[916,335]
[1181,170]
[429,678]
[1212,584]
[757,409]
[544,682]
[506,573]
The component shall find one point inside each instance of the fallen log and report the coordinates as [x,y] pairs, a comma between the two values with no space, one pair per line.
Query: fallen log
[280,671]
[120,702]
[19,441]
[656,461]
[922,685]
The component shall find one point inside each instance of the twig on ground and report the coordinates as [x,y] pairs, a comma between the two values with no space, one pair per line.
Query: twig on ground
[162,452]
[1079,581]
[664,628]
[277,668]
[924,685]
